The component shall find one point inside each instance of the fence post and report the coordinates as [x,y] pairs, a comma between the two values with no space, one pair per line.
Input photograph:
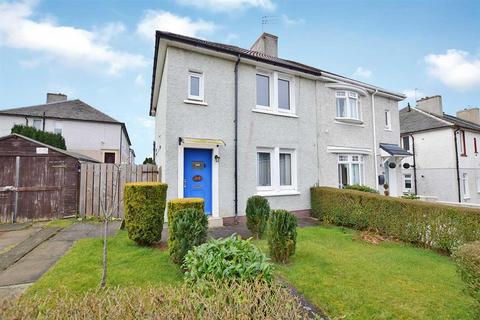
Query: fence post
[17,184]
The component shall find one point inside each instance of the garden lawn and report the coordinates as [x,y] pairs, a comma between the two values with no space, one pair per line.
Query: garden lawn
[351,279]
[128,265]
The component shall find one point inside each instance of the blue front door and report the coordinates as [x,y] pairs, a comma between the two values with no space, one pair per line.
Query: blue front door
[197,175]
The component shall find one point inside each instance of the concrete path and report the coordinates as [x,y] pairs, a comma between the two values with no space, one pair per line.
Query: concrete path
[15,279]
[11,235]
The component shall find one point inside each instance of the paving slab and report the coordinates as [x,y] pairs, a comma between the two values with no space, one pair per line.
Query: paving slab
[9,239]
[14,226]
[13,255]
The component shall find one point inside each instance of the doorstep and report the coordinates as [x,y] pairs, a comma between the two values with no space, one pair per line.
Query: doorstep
[215,222]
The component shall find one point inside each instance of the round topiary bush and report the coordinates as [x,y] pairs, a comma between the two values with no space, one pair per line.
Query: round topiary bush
[257,212]
[188,229]
[467,258]
[282,235]
[144,211]
[227,259]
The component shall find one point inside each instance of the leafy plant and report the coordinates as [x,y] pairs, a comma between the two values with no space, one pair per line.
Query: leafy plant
[282,235]
[176,205]
[144,211]
[360,188]
[467,258]
[257,212]
[427,224]
[148,160]
[411,196]
[188,229]
[50,138]
[227,259]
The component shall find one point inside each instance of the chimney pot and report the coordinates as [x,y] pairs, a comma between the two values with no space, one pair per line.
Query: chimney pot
[431,105]
[267,44]
[472,115]
[56,97]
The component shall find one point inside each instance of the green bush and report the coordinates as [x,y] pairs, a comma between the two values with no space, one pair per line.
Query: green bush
[188,229]
[50,138]
[423,223]
[282,235]
[144,211]
[361,188]
[237,300]
[257,213]
[227,259]
[175,205]
[411,196]
[467,257]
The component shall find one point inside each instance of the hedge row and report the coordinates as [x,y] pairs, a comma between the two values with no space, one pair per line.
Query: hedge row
[427,224]
[50,138]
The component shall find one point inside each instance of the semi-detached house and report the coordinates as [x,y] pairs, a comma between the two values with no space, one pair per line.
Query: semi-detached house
[233,122]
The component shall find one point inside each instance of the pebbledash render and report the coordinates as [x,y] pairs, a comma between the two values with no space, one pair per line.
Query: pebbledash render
[232,123]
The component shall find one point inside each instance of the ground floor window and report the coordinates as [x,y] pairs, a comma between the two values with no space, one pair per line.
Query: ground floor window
[350,170]
[407,182]
[276,169]
[466,188]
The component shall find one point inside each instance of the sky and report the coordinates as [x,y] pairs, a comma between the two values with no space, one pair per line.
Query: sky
[102,51]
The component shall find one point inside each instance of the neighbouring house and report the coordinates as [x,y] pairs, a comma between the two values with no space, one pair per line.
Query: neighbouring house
[445,164]
[86,130]
[233,122]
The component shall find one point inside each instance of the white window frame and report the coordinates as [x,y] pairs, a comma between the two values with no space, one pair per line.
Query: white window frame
[273,77]
[409,143]
[347,96]
[271,152]
[405,179]
[350,162]
[478,184]
[276,188]
[388,120]
[58,127]
[466,187]
[38,121]
[199,75]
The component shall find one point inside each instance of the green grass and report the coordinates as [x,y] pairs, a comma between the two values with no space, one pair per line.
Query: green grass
[128,265]
[63,223]
[351,279]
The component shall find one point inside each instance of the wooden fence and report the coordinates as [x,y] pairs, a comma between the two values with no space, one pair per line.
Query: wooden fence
[102,184]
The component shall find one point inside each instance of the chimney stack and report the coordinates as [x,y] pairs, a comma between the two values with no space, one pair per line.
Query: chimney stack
[56,97]
[472,115]
[267,44]
[431,104]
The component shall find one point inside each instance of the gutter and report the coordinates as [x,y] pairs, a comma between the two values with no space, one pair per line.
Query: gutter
[236,139]
[375,160]
[457,165]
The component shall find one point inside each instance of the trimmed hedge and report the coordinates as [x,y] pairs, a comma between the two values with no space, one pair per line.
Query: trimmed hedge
[144,211]
[467,258]
[257,213]
[188,229]
[175,205]
[427,224]
[50,138]
[361,188]
[282,235]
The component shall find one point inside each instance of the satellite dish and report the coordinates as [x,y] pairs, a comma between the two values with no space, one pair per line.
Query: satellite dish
[392,165]
[406,165]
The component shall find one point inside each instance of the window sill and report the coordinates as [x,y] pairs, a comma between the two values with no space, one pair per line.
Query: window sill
[463,155]
[282,114]
[348,122]
[388,129]
[277,193]
[195,102]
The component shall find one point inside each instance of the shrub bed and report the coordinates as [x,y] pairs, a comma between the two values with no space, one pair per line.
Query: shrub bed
[427,224]
[240,300]
[227,259]
[144,211]
[188,229]
[282,235]
[467,258]
[175,205]
[257,213]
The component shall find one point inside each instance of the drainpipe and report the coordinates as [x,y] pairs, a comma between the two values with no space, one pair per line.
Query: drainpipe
[44,118]
[457,165]
[414,164]
[375,160]
[236,139]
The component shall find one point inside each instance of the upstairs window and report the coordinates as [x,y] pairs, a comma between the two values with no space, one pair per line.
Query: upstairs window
[195,86]
[347,105]
[263,90]
[283,94]
[475,145]
[463,144]
[388,120]
[37,124]
[406,143]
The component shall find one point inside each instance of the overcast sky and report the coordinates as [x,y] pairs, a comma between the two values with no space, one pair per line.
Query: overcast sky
[102,51]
